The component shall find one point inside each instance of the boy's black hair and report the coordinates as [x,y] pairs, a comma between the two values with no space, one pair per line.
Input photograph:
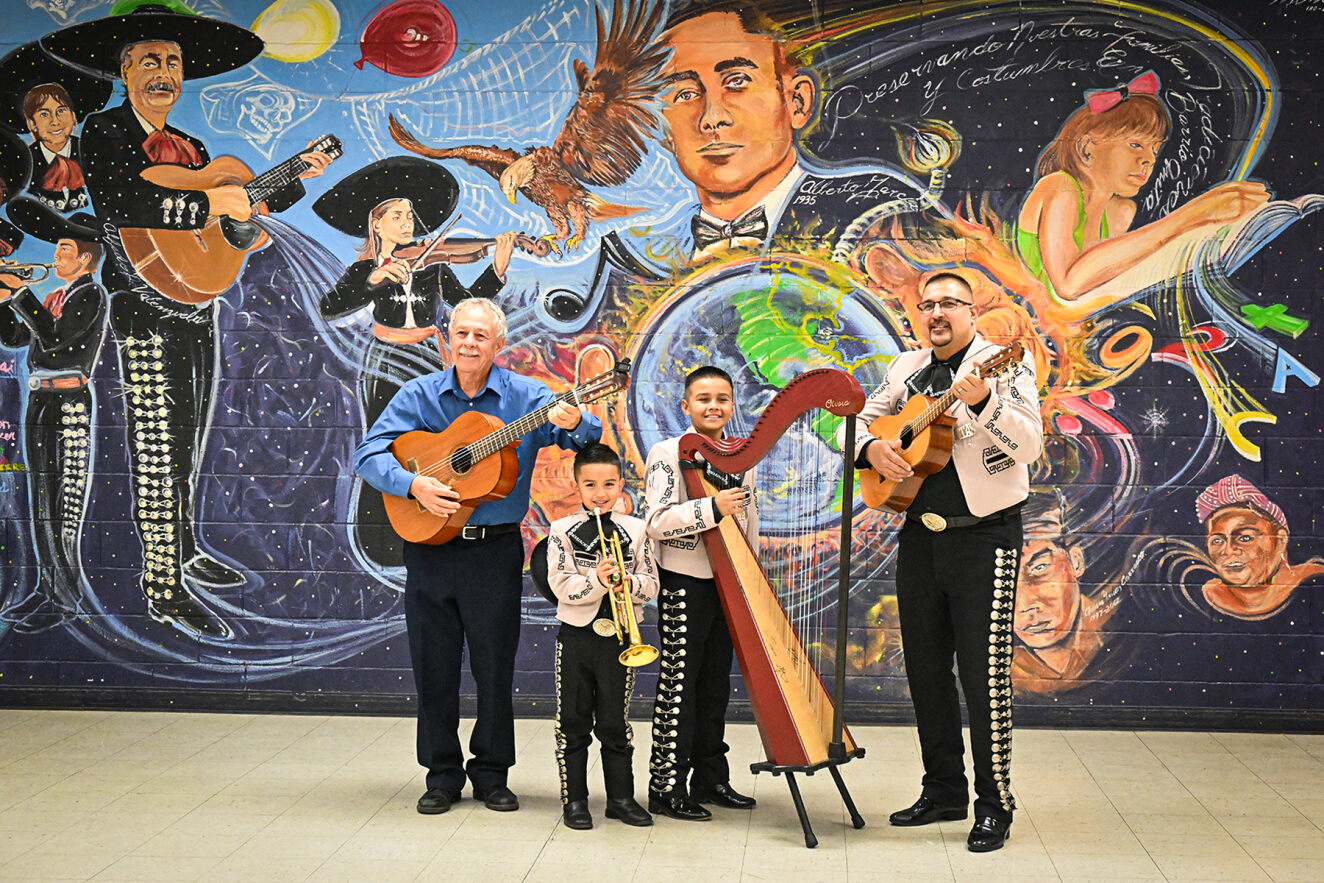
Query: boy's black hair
[596,453]
[705,372]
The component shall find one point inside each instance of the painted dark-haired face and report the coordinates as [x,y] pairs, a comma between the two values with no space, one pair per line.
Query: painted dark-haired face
[731,117]
[153,76]
[1047,593]
[1245,547]
[52,124]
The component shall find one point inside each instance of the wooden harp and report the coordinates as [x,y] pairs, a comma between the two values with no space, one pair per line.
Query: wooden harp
[799,718]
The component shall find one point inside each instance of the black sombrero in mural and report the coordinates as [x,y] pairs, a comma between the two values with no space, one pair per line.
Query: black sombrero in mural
[433,191]
[42,222]
[27,67]
[209,46]
[15,164]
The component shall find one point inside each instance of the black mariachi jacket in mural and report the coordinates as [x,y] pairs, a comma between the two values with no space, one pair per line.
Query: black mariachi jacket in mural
[67,343]
[430,286]
[64,201]
[113,158]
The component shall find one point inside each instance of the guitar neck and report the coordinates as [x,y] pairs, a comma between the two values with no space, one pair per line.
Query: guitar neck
[272,180]
[936,409]
[516,430]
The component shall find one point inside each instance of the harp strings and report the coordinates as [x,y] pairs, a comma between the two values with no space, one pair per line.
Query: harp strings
[797,486]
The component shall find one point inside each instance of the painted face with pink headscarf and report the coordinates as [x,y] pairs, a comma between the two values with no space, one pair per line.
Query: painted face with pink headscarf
[1245,532]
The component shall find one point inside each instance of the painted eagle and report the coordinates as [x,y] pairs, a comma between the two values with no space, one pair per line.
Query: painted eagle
[601,141]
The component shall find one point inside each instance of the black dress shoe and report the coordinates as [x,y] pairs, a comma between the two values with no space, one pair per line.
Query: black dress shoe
[925,812]
[188,615]
[723,795]
[988,834]
[436,801]
[203,568]
[676,806]
[500,798]
[627,810]
[575,814]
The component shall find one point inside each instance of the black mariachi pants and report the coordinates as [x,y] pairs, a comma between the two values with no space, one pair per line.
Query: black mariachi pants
[693,688]
[956,590]
[59,447]
[592,699]
[465,591]
[167,355]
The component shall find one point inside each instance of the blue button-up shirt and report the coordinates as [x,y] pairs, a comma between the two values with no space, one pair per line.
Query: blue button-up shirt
[432,402]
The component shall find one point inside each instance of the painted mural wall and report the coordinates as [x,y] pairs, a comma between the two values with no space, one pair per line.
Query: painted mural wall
[1131,187]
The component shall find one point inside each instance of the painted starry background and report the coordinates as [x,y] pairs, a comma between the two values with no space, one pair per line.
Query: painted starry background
[317,627]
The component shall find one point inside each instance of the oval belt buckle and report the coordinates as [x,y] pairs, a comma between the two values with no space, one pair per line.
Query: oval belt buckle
[933,521]
[604,627]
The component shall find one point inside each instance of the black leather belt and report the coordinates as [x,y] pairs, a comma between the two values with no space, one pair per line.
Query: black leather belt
[486,531]
[938,523]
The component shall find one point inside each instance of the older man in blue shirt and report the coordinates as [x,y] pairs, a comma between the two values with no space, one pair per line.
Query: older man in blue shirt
[469,588]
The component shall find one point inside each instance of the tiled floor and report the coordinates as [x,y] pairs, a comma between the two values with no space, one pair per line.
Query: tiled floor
[138,797]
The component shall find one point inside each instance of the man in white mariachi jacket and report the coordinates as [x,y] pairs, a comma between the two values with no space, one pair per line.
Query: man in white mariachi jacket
[956,561]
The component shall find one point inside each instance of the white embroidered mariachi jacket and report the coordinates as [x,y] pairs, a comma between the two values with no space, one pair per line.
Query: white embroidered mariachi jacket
[573,553]
[993,462]
[676,521]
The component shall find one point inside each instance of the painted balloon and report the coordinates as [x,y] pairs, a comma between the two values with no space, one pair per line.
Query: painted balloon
[409,38]
[298,30]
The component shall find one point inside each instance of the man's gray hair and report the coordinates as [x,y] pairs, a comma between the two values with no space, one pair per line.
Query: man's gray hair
[486,305]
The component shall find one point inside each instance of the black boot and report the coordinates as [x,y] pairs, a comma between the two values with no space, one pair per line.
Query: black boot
[575,814]
[625,809]
[36,613]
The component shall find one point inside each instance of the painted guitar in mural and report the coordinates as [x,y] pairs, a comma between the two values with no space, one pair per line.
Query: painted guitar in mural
[925,430]
[194,266]
[477,456]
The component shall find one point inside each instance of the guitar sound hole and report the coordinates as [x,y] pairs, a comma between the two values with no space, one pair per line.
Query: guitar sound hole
[906,438]
[462,461]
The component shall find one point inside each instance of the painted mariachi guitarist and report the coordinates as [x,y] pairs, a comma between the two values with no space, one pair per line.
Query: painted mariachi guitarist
[925,430]
[194,266]
[477,456]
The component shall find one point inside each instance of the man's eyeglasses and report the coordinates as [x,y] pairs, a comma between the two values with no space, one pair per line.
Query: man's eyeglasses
[948,304]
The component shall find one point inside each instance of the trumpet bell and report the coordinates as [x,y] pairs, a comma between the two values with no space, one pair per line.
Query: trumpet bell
[637,655]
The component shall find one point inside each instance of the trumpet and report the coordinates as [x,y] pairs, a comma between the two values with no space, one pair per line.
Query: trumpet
[623,622]
[26,272]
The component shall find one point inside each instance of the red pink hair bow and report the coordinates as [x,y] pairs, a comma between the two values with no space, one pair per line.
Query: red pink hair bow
[1106,99]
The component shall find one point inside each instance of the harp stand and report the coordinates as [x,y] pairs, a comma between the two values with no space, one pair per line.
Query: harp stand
[837,753]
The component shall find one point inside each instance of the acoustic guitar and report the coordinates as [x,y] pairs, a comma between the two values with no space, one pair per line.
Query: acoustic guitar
[194,266]
[925,430]
[476,455]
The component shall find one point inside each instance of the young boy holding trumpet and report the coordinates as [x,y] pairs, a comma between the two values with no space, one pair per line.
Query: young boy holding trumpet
[600,567]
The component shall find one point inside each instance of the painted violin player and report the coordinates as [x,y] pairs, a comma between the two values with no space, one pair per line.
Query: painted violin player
[403,284]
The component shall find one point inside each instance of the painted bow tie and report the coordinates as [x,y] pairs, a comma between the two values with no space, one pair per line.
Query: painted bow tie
[1106,99]
[167,147]
[64,174]
[753,224]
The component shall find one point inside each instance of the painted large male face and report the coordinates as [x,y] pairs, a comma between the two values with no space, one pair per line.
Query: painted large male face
[1047,592]
[732,117]
[1245,547]
[153,75]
